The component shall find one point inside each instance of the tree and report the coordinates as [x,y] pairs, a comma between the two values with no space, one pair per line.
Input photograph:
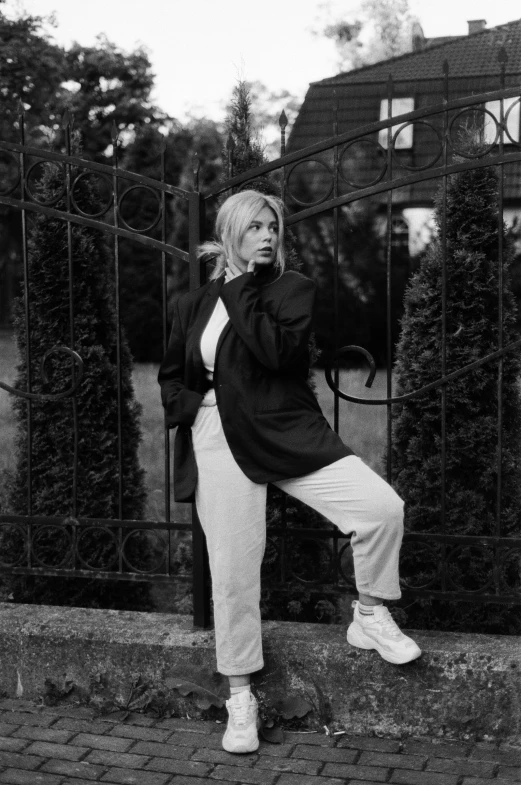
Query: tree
[96,410]
[379,29]
[472,318]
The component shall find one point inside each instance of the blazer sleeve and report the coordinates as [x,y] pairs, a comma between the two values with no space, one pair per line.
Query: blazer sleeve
[276,341]
[180,404]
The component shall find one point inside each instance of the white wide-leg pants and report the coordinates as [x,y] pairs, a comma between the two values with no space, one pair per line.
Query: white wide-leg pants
[232,511]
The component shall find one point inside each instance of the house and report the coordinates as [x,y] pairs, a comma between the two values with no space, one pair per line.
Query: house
[358,98]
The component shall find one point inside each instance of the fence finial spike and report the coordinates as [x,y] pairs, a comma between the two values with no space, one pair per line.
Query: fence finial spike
[114,132]
[66,119]
[445,67]
[21,108]
[502,55]
[283,120]
[230,142]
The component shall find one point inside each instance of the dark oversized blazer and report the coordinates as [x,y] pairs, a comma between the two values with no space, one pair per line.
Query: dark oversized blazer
[271,419]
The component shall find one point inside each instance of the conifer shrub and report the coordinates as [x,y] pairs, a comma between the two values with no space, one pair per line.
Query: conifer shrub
[53,426]
[473,305]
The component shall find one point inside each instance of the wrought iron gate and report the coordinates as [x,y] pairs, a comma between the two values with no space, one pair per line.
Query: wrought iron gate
[336,184]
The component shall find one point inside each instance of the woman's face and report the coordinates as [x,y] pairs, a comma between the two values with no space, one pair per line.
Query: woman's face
[259,242]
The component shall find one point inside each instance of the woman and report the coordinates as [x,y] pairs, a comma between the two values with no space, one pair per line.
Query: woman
[234,381]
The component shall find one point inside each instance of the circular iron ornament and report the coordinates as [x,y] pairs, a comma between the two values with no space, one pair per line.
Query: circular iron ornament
[430,562]
[328,370]
[349,579]
[5,546]
[369,143]
[156,566]
[106,207]
[510,574]
[328,190]
[318,546]
[430,163]
[158,200]
[64,534]
[505,119]
[111,543]
[34,196]
[8,156]
[466,154]
[482,552]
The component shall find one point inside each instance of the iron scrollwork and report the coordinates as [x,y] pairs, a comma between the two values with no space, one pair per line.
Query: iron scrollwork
[50,396]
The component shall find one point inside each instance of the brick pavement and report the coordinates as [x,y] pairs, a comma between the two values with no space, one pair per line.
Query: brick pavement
[72,746]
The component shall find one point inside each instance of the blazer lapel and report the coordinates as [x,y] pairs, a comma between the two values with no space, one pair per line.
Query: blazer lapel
[193,344]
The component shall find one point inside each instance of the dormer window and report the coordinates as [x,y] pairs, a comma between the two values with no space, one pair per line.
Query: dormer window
[490,128]
[398,106]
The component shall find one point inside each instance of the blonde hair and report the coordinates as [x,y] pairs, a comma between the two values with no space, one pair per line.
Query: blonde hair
[233,219]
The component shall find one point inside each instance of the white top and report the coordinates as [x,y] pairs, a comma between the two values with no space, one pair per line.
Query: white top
[209,339]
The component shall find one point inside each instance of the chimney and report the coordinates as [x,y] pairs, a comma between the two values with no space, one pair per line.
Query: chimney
[476,25]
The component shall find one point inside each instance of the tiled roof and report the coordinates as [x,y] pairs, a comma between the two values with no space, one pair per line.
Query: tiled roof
[472,55]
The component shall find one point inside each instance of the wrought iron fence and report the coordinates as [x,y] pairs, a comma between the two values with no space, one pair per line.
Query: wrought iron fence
[318,180]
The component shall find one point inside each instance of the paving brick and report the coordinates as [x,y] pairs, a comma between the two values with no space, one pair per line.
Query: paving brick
[475,768]
[17,718]
[211,741]
[365,773]
[129,718]
[370,743]
[19,761]
[392,761]
[81,726]
[510,757]
[6,729]
[16,704]
[189,767]
[12,745]
[17,777]
[487,781]
[74,712]
[279,750]
[180,779]
[315,739]
[96,742]
[510,773]
[229,773]
[192,726]
[423,778]
[220,756]
[433,749]
[124,760]
[58,736]
[289,764]
[131,777]
[70,768]
[327,754]
[170,750]
[139,733]
[63,751]
[88,782]
[355,782]
[300,779]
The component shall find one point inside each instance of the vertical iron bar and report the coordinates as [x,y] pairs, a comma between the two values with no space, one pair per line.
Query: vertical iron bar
[27,319]
[283,122]
[115,188]
[165,343]
[336,315]
[502,57]
[67,120]
[389,370]
[444,326]
[201,569]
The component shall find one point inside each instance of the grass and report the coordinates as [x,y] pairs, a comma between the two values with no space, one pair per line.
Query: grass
[363,428]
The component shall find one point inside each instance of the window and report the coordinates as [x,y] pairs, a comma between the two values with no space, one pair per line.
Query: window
[398,106]
[494,107]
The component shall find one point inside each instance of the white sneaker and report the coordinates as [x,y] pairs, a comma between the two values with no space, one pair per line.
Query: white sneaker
[380,632]
[241,732]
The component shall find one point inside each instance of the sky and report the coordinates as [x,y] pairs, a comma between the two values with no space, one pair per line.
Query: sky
[200,48]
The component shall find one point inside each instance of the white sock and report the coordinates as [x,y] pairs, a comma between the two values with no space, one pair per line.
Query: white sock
[236,690]
[366,610]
